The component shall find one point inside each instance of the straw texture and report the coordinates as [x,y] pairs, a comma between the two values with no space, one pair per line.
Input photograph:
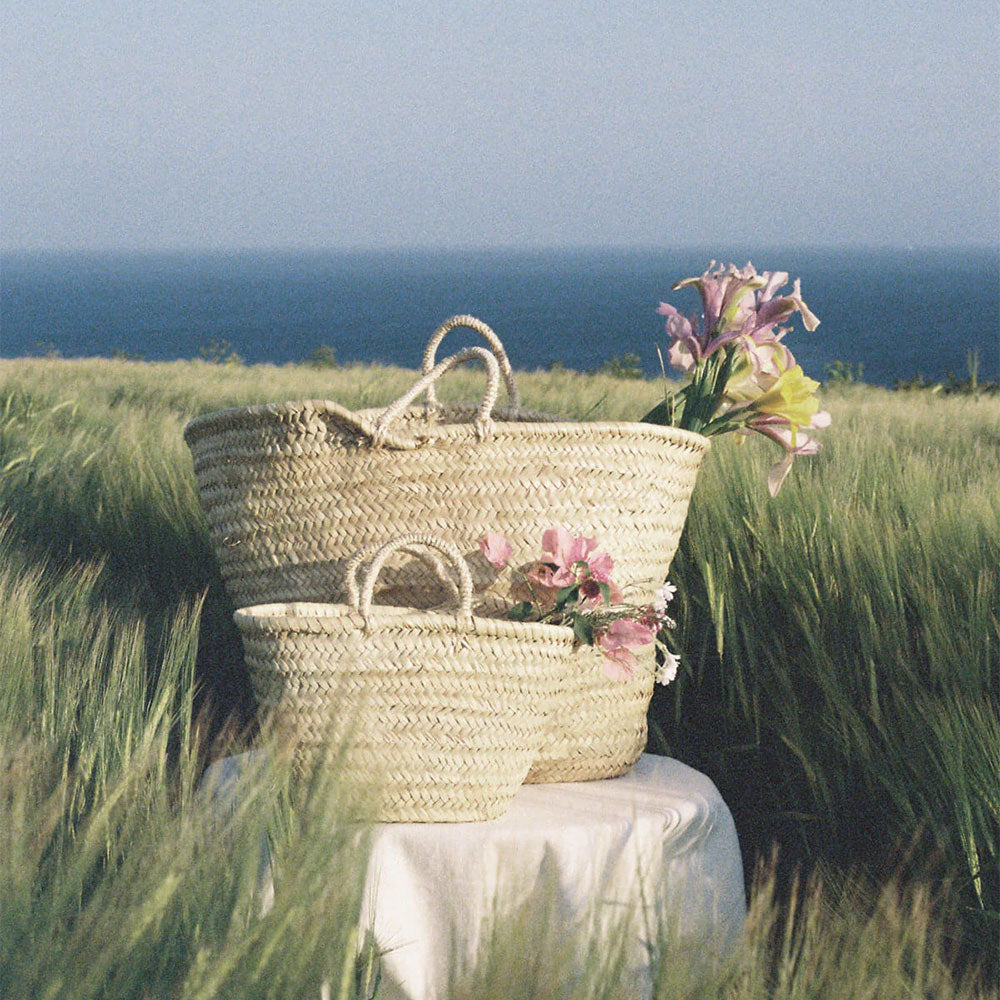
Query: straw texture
[597,728]
[291,490]
[442,712]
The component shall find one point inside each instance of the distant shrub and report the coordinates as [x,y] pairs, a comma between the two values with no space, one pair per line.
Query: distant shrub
[45,349]
[323,356]
[626,366]
[119,355]
[843,372]
[971,385]
[918,381]
[219,351]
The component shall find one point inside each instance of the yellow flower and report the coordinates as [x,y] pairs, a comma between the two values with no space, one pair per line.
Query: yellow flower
[791,398]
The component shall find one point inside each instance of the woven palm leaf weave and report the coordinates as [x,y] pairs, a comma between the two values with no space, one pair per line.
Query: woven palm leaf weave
[443,713]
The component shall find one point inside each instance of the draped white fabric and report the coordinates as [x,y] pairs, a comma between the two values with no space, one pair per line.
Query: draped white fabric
[656,847]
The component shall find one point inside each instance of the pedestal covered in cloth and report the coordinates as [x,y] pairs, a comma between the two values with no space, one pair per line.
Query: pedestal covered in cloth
[656,847]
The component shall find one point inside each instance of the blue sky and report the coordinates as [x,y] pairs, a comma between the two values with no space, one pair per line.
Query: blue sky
[304,124]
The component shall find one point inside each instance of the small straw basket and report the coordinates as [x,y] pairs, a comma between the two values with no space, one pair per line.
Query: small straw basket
[444,713]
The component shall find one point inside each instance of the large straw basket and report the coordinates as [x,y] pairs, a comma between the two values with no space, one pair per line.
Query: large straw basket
[443,712]
[290,490]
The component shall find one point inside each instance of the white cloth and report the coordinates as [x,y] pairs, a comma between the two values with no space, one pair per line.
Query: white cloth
[657,845]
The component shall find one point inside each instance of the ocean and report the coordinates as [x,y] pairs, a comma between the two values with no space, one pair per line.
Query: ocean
[896,313]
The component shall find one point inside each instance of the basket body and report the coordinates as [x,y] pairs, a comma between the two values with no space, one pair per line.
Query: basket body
[290,490]
[597,728]
[444,720]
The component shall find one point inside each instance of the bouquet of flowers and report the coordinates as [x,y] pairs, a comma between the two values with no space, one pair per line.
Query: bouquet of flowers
[742,376]
[571,585]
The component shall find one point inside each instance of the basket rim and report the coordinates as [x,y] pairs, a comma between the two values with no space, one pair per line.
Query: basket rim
[318,618]
[530,423]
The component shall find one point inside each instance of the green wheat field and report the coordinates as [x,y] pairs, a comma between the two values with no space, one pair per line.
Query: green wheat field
[839,684]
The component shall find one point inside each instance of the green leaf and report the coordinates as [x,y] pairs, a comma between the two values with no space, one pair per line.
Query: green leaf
[605,591]
[583,630]
[659,414]
[567,594]
[520,612]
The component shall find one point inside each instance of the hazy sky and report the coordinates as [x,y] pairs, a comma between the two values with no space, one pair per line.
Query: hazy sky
[368,124]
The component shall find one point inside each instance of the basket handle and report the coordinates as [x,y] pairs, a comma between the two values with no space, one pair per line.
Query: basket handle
[484,419]
[513,393]
[362,555]
[362,602]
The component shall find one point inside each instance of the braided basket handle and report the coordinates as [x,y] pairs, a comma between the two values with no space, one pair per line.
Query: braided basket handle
[362,602]
[362,555]
[496,346]
[484,419]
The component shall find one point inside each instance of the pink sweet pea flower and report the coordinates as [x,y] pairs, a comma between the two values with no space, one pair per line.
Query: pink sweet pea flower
[619,663]
[590,592]
[629,633]
[601,565]
[556,543]
[562,547]
[617,643]
[496,549]
[575,557]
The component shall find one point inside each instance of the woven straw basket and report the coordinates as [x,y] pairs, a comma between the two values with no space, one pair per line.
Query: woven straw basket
[290,490]
[443,712]
[597,728]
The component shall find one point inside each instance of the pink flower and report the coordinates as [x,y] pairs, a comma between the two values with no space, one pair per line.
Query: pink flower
[591,596]
[771,311]
[791,439]
[496,549]
[601,565]
[556,543]
[617,643]
[565,550]
[736,302]
[681,356]
[619,663]
[685,351]
[724,296]
[628,633]
[575,558]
